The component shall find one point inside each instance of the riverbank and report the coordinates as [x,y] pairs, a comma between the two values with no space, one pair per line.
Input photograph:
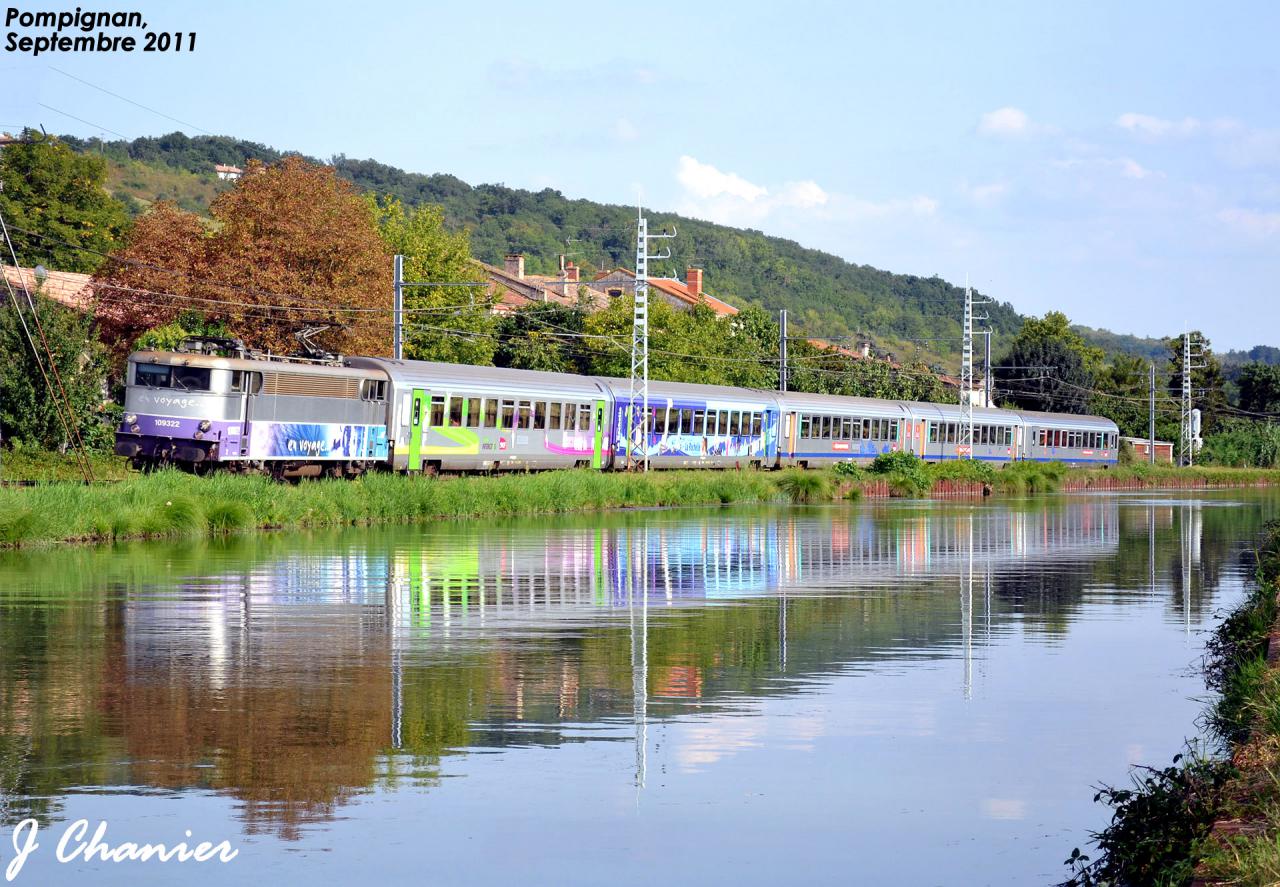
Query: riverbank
[170,504]
[1211,817]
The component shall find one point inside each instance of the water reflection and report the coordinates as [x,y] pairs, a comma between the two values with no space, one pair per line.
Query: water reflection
[295,675]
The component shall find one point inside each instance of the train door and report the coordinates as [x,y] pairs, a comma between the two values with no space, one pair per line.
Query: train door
[1019,438]
[417,427]
[597,446]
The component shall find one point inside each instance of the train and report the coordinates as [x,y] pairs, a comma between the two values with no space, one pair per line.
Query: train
[202,410]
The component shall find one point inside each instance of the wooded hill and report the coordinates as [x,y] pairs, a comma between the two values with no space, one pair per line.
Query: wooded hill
[909,317]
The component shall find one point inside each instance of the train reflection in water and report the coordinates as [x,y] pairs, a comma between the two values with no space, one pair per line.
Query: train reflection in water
[373,658]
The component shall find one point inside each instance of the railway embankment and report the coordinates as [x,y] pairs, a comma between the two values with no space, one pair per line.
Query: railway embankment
[170,504]
[1212,817]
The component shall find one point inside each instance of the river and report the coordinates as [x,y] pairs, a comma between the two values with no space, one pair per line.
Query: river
[892,693]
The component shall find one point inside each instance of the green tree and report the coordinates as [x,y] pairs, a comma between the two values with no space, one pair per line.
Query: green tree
[450,323]
[1123,389]
[186,325]
[1048,367]
[29,410]
[545,336]
[1259,385]
[56,205]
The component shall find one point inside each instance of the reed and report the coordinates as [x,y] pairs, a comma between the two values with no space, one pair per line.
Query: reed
[170,504]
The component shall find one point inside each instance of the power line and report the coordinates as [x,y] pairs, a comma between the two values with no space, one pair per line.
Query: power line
[82,120]
[130,101]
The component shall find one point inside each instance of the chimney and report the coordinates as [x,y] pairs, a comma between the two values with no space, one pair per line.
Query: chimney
[693,280]
[514,265]
[571,272]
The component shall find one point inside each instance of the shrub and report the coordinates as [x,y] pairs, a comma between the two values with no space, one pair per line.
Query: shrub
[805,486]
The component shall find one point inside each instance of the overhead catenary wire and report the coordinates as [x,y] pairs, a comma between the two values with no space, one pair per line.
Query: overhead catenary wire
[68,418]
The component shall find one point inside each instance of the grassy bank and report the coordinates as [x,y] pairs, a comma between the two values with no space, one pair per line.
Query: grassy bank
[173,505]
[42,466]
[905,475]
[1210,818]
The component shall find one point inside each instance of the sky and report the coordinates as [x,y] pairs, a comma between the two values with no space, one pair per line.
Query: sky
[1118,162]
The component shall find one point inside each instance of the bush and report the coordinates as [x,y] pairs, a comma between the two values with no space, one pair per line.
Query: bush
[805,486]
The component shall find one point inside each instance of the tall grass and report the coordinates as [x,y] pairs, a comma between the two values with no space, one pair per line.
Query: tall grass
[175,505]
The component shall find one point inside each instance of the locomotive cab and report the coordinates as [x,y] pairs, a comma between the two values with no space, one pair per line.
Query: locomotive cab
[183,408]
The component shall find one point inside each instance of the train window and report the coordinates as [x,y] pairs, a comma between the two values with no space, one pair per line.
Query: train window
[722,425]
[952,432]
[191,378]
[152,376]
[524,415]
[539,416]
[699,422]
[370,389]
[455,412]
[757,424]
[933,432]
[553,417]
[490,413]
[804,426]
[735,424]
[686,421]
[508,415]
[893,430]
[474,411]
[584,417]
[824,428]
[437,411]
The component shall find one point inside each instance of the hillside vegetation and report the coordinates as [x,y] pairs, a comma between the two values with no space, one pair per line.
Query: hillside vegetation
[825,294]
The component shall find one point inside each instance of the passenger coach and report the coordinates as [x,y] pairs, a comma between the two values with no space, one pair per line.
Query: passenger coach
[297,418]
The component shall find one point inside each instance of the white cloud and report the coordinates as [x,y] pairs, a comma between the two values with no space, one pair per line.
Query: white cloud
[1132,169]
[987,194]
[1005,122]
[805,195]
[1156,127]
[1126,166]
[1252,222]
[713,194]
[704,180]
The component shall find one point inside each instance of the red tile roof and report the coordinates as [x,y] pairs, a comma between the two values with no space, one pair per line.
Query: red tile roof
[680,291]
[66,287]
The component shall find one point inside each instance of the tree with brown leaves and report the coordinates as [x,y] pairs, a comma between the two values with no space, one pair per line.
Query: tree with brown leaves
[291,246]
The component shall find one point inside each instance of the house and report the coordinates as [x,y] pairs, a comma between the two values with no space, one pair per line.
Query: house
[227,173]
[65,287]
[514,288]
[1142,449]
[680,295]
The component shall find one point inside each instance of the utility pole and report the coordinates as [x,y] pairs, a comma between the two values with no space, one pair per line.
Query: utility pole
[397,310]
[987,378]
[640,341]
[1187,431]
[964,446]
[782,351]
[1151,444]
[397,344]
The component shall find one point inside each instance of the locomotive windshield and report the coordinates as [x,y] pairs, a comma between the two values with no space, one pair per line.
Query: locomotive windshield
[182,378]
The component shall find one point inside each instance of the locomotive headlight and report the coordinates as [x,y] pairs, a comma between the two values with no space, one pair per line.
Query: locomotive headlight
[131,419]
[134,428]
[204,425]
